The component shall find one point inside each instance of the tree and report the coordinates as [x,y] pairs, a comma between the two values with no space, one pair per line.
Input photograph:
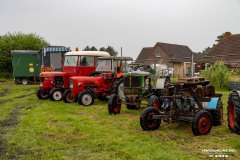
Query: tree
[111,51]
[90,49]
[220,37]
[17,41]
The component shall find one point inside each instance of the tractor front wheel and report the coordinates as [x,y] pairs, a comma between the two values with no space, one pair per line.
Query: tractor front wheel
[114,106]
[42,94]
[234,112]
[85,98]
[68,97]
[202,123]
[56,94]
[146,120]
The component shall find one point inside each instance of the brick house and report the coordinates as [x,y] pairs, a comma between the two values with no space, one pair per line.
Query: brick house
[227,50]
[172,55]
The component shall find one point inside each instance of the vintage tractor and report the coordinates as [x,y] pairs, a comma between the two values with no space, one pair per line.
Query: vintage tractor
[76,63]
[138,85]
[234,111]
[85,88]
[192,100]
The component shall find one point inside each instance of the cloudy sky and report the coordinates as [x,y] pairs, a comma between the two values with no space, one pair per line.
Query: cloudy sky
[130,24]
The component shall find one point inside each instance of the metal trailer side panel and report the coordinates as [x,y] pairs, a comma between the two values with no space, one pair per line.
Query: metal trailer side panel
[25,65]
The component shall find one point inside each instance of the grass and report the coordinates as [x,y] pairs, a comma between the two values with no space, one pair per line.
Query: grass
[36,129]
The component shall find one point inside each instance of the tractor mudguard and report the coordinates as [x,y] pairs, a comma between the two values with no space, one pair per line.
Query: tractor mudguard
[212,104]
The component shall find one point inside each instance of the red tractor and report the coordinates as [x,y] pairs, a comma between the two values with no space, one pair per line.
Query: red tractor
[85,88]
[77,63]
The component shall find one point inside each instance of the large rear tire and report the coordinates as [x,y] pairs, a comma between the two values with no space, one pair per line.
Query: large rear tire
[114,107]
[202,123]
[217,115]
[154,102]
[117,88]
[234,112]
[145,119]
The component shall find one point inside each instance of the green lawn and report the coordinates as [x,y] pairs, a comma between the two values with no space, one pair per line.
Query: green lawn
[43,129]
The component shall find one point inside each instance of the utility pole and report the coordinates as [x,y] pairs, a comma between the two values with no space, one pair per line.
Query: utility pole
[121,51]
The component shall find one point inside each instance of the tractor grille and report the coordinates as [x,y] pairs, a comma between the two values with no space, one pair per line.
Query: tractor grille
[132,82]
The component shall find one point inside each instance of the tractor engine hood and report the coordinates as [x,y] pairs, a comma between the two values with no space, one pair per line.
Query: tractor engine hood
[53,74]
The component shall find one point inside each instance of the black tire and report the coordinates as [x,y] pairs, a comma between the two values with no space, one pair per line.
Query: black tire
[56,94]
[42,94]
[154,101]
[68,97]
[85,98]
[217,115]
[145,119]
[234,112]
[116,85]
[94,74]
[202,123]
[114,107]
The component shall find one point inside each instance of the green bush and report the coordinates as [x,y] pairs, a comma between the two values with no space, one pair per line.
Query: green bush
[219,74]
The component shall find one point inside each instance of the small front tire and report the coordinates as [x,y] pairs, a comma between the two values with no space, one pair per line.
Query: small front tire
[114,106]
[85,98]
[146,121]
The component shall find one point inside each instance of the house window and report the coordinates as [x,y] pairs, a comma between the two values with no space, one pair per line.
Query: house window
[158,54]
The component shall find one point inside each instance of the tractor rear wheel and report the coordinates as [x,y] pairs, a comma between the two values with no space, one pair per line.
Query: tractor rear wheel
[202,123]
[146,121]
[234,112]
[117,88]
[42,95]
[85,98]
[114,107]
[217,115]
[56,94]
[68,97]
[154,102]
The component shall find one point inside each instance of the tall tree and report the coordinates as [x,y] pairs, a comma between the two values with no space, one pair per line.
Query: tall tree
[220,37]
[111,51]
[17,41]
[90,49]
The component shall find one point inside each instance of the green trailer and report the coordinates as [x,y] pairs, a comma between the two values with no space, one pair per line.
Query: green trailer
[25,65]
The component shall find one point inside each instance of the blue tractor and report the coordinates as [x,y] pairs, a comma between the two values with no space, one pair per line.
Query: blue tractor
[191,99]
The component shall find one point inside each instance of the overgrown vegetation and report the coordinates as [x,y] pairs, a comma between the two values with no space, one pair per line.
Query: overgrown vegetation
[35,129]
[219,75]
[17,41]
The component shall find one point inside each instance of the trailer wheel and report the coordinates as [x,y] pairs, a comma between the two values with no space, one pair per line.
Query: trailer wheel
[42,95]
[202,123]
[56,94]
[24,81]
[114,107]
[68,97]
[146,121]
[85,98]
[234,112]
[154,102]
[217,115]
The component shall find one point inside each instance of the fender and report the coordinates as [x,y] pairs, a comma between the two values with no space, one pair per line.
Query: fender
[212,104]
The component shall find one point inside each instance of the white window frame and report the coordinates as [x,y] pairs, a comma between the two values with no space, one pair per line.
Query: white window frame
[158,54]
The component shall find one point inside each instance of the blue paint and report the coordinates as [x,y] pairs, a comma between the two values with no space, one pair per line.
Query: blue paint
[212,104]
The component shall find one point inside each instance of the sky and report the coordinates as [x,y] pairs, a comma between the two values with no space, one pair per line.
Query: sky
[130,24]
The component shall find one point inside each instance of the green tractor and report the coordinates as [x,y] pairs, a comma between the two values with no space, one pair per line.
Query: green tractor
[137,86]
[234,111]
